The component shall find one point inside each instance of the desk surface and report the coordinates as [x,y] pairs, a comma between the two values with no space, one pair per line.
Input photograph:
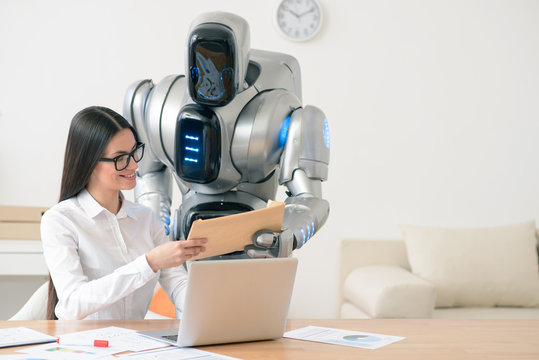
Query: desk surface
[425,338]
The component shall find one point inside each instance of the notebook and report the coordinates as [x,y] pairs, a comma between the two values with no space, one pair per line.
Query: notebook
[233,301]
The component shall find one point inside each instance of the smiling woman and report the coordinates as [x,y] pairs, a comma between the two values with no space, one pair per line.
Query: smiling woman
[105,254]
[115,171]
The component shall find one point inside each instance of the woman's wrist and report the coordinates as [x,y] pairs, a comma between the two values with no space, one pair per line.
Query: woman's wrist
[149,259]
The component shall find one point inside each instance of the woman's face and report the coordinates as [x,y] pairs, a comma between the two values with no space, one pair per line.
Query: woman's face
[105,176]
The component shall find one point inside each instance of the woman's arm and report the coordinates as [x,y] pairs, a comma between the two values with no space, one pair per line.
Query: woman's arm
[174,279]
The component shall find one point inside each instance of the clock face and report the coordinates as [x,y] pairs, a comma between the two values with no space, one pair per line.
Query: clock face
[299,19]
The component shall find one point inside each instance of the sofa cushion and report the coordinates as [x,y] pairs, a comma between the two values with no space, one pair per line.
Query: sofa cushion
[477,266]
[389,292]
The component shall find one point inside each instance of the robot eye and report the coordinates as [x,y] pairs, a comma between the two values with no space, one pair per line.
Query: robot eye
[195,74]
[226,74]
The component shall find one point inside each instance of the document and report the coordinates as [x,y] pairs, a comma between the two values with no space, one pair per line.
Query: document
[22,336]
[233,232]
[342,337]
[175,353]
[120,340]
[55,351]
[28,357]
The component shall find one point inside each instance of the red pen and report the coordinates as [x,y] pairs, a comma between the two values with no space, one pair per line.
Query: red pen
[81,342]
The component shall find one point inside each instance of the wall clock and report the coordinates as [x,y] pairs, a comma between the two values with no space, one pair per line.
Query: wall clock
[298,20]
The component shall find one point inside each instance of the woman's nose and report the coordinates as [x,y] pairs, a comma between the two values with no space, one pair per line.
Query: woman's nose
[133,165]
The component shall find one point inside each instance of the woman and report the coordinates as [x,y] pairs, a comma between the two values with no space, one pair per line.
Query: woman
[105,254]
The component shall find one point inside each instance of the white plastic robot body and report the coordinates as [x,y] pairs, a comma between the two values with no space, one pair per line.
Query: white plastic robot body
[262,136]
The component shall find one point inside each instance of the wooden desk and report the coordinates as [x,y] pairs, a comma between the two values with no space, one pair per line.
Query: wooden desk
[425,339]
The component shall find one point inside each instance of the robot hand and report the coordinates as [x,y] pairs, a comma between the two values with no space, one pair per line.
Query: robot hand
[267,243]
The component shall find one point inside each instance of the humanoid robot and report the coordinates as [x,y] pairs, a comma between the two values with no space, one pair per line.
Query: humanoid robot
[228,134]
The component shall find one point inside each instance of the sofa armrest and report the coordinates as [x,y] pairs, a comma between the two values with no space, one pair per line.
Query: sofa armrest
[389,292]
[358,252]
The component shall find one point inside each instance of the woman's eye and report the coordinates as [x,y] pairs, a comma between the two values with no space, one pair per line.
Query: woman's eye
[122,159]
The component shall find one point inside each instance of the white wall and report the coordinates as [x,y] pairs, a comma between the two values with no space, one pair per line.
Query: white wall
[433,105]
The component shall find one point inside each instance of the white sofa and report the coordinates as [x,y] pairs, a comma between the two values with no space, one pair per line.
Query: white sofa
[377,280]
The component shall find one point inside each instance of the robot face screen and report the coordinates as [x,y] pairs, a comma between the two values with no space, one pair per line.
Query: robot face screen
[212,70]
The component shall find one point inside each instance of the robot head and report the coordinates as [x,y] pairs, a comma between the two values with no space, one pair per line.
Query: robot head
[217,57]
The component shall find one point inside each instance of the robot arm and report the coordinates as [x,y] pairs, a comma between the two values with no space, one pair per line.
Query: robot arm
[152,191]
[153,178]
[304,165]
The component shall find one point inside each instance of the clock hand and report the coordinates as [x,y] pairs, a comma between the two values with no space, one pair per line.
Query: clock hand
[293,13]
[306,12]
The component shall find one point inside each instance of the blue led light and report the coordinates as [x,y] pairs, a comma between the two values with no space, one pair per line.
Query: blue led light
[191,149]
[215,97]
[174,225]
[226,74]
[312,229]
[194,73]
[191,160]
[326,133]
[303,234]
[283,134]
[191,137]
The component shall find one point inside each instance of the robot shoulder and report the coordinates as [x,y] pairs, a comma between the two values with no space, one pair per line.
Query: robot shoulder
[135,101]
[258,140]
[161,111]
[307,145]
[273,70]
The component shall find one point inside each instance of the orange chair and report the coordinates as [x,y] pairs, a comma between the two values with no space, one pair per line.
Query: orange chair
[161,304]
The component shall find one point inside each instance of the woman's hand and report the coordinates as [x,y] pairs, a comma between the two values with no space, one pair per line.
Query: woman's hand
[174,253]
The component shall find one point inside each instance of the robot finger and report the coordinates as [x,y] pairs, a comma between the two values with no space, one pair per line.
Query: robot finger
[265,238]
[258,253]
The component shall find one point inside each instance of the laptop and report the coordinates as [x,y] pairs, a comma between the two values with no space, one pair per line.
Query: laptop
[233,301]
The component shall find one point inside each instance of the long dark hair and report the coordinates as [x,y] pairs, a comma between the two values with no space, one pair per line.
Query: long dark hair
[90,131]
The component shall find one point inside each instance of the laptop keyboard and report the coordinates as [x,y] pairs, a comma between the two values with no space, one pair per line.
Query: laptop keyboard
[170,337]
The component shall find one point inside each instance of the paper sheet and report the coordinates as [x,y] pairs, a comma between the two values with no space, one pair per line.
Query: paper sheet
[233,232]
[342,337]
[54,351]
[23,357]
[175,353]
[22,336]
[120,340]
[19,357]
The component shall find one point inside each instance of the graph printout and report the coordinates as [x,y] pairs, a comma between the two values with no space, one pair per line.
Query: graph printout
[342,337]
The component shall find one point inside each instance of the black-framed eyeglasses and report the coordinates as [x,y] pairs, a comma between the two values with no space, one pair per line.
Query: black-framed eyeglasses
[121,162]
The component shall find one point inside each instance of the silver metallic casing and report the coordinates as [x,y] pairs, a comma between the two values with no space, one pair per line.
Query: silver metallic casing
[267,140]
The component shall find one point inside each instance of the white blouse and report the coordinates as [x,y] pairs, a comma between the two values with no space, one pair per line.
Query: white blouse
[97,259]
